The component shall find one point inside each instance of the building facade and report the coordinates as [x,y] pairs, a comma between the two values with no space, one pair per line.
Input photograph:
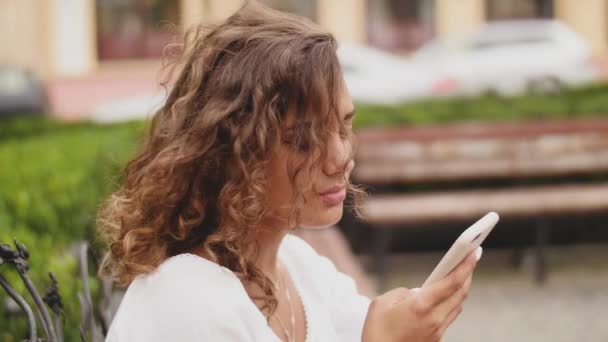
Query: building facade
[71,38]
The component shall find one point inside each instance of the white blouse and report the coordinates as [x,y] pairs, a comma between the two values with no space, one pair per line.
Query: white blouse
[189,298]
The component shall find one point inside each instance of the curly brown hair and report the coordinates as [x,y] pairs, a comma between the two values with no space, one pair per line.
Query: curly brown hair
[200,176]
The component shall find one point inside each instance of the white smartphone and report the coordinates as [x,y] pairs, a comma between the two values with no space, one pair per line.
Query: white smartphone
[466,243]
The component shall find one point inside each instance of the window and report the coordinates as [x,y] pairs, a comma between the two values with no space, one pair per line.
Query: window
[134,28]
[519,9]
[400,25]
[305,8]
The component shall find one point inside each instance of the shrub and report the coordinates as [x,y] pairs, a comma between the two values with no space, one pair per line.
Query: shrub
[572,103]
[53,177]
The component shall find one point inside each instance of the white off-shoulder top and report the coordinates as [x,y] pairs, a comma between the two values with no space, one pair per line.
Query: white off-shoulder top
[189,298]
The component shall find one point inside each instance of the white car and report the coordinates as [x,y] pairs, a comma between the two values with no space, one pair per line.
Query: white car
[506,57]
[509,58]
[375,76]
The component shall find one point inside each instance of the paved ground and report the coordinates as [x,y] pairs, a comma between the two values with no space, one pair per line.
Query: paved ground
[506,305]
[122,84]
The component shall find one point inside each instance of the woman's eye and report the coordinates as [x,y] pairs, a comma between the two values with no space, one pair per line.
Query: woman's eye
[345,131]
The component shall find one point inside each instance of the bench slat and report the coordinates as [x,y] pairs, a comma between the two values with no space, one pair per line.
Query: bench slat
[480,130]
[523,201]
[530,147]
[390,172]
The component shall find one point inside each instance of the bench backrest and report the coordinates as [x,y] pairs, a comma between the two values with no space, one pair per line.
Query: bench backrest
[481,151]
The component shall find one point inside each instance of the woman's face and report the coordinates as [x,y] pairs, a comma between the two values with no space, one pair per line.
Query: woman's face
[323,187]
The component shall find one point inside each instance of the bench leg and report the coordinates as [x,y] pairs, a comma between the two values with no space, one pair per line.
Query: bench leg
[542,238]
[381,240]
[517,256]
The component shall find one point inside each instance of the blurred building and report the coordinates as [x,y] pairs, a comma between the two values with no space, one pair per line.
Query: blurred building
[71,39]
[75,37]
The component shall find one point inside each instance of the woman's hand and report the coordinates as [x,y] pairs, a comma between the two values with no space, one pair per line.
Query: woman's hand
[402,315]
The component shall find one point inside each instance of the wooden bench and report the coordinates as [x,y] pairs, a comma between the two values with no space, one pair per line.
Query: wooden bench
[480,155]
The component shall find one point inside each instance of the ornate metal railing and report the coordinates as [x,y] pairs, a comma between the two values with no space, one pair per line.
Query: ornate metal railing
[94,324]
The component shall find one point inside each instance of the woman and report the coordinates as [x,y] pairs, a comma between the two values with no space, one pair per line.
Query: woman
[254,140]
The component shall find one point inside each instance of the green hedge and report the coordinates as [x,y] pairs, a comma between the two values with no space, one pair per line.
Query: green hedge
[590,101]
[26,126]
[53,177]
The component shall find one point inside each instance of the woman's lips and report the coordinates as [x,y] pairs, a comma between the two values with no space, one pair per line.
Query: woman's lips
[333,196]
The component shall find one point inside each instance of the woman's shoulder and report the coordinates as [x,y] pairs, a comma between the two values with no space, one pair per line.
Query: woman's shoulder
[194,267]
[189,276]
[180,284]
[187,297]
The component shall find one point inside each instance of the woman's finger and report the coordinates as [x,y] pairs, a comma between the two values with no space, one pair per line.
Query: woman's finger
[456,311]
[444,288]
[450,319]
[456,300]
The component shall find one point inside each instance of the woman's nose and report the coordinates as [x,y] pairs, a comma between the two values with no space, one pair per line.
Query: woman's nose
[339,159]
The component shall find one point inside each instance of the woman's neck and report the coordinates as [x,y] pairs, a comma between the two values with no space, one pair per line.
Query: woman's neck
[267,258]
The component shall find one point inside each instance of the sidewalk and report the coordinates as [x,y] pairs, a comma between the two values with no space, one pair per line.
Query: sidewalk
[79,97]
[505,305]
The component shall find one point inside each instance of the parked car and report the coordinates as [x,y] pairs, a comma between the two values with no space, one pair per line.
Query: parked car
[21,92]
[375,76]
[509,58]
[505,57]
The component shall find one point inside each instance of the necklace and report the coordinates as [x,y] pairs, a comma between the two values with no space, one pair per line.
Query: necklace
[290,337]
